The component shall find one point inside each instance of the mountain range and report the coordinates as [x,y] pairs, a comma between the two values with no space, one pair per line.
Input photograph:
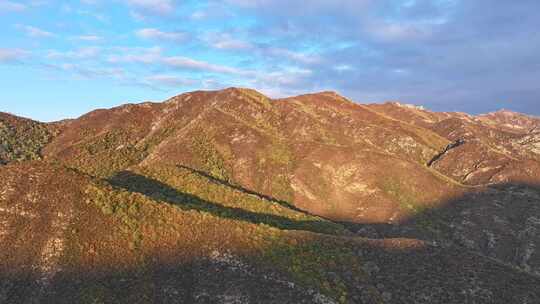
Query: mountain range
[233,197]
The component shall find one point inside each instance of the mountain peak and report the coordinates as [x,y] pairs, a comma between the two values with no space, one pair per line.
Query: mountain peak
[237,91]
[223,94]
[328,97]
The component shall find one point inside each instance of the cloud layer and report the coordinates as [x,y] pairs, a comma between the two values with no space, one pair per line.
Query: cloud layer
[473,56]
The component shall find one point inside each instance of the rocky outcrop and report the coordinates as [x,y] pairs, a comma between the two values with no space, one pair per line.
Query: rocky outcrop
[450,146]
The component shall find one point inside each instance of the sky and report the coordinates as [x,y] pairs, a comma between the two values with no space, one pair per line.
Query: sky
[61,59]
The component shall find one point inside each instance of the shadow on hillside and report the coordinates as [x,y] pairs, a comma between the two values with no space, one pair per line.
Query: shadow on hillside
[500,222]
[199,281]
[385,273]
[402,273]
[162,192]
[242,189]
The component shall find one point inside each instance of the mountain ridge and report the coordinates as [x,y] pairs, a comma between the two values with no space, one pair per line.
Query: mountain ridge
[240,89]
[281,185]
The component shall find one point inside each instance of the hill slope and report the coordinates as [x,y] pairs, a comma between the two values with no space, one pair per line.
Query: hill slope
[498,147]
[213,195]
[22,139]
[242,136]
[79,240]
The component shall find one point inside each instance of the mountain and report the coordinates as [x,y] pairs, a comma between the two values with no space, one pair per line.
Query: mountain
[499,147]
[232,197]
[22,139]
[313,147]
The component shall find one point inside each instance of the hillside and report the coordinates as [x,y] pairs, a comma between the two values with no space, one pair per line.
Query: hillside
[498,147]
[22,139]
[80,240]
[232,197]
[242,136]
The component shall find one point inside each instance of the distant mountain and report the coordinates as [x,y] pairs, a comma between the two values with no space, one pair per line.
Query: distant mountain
[232,197]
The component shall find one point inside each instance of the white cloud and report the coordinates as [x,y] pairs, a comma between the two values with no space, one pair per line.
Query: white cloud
[343,67]
[91,38]
[154,56]
[300,7]
[225,41]
[12,55]
[284,77]
[152,33]
[10,6]
[82,53]
[232,44]
[295,56]
[89,72]
[288,77]
[170,80]
[396,31]
[34,31]
[137,55]
[97,16]
[189,63]
[162,7]
[197,15]
[213,10]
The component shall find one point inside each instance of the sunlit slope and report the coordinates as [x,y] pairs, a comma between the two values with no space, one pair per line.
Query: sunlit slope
[498,147]
[321,152]
[22,139]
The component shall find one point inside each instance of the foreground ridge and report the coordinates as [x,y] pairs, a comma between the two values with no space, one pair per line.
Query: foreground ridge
[230,196]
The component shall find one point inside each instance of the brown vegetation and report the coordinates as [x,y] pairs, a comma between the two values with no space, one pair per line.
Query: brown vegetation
[231,197]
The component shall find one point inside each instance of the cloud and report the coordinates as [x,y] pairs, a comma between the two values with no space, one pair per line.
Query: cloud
[445,54]
[10,6]
[89,38]
[301,57]
[160,7]
[170,80]
[288,78]
[88,72]
[12,55]
[225,41]
[81,53]
[116,73]
[212,10]
[154,56]
[315,7]
[395,31]
[151,55]
[284,77]
[34,31]
[155,34]
[98,16]
[181,62]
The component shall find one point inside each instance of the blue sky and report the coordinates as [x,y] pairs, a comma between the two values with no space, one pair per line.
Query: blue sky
[60,59]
